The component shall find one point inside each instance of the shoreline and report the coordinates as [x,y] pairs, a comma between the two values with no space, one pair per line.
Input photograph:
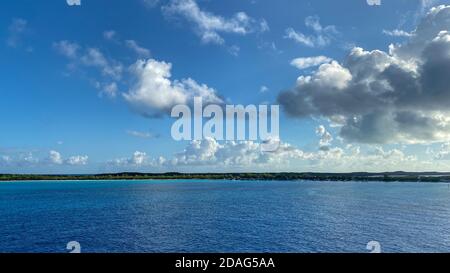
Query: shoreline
[425,177]
[207,180]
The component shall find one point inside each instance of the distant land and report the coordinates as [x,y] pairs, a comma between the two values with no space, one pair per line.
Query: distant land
[283,176]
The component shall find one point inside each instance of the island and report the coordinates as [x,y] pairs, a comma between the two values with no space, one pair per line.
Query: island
[272,176]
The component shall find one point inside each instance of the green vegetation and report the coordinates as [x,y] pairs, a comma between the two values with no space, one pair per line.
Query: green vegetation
[385,177]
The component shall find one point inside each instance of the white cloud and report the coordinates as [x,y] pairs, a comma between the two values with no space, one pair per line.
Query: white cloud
[325,137]
[299,37]
[73,2]
[22,159]
[110,70]
[141,51]
[209,154]
[35,159]
[137,160]
[241,154]
[331,75]
[77,160]
[110,89]
[425,5]
[377,97]
[154,93]
[322,36]
[55,157]
[90,57]
[303,63]
[394,154]
[397,33]
[94,57]
[210,26]
[66,48]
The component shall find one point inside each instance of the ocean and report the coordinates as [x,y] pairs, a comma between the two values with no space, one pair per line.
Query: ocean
[224,216]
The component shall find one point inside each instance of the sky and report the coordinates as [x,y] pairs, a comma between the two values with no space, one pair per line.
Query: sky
[87,85]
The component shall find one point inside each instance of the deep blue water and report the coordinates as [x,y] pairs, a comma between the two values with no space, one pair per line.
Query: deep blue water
[224,216]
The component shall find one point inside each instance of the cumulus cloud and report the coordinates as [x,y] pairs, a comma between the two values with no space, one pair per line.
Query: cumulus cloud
[37,159]
[209,26]
[137,160]
[77,160]
[56,158]
[331,75]
[325,137]
[425,5]
[303,63]
[19,160]
[320,37]
[399,96]
[231,153]
[151,91]
[154,92]
[209,154]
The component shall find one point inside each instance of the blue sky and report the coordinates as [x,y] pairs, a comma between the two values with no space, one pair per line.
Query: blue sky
[77,81]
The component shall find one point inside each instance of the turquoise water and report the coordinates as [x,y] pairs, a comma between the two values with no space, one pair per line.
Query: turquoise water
[224,216]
